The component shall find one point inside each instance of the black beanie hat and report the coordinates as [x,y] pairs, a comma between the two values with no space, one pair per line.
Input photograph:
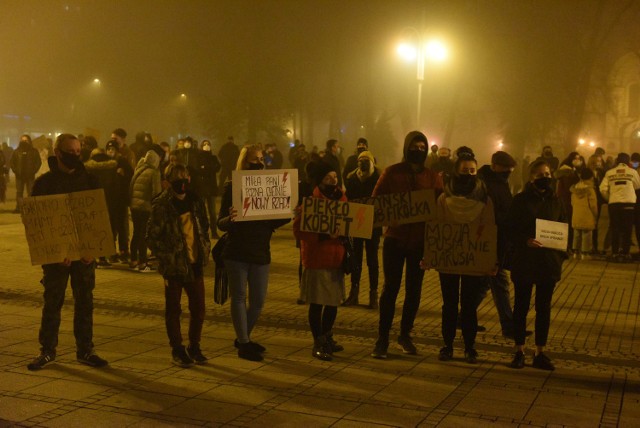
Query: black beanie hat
[317,170]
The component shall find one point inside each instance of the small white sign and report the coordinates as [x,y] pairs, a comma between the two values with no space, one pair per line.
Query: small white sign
[552,234]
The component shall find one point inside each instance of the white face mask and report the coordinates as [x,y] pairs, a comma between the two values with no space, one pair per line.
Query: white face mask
[187,145]
[206,148]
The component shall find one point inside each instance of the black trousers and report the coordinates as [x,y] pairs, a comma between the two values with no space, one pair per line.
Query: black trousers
[544,294]
[394,256]
[466,290]
[621,225]
[83,281]
[138,240]
[371,246]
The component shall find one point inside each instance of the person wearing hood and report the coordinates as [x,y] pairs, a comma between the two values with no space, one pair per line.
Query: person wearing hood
[465,200]
[142,144]
[496,179]
[549,158]
[25,163]
[145,185]
[178,234]
[533,264]
[403,244]
[352,161]
[360,184]
[619,188]
[67,174]
[105,168]
[443,165]
[247,259]
[585,213]
[322,285]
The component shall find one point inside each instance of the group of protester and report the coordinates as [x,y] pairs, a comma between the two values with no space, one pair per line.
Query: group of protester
[169,212]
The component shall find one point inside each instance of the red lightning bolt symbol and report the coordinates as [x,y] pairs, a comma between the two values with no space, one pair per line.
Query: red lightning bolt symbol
[284,178]
[246,206]
[360,217]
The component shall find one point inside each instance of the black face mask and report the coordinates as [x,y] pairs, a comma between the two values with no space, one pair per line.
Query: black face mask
[361,149]
[416,156]
[180,186]
[364,165]
[542,183]
[331,191]
[70,160]
[464,184]
[547,154]
[504,175]
[256,166]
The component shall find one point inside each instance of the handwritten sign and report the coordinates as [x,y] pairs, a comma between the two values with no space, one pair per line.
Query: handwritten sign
[552,234]
[402,208]
[327,216]
[71,225]
[265,194]
[467,248]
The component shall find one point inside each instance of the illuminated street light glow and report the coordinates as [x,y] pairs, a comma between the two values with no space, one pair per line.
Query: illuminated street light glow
[436,50]
[183,96]
[407,52]
[581,141]
[592,144]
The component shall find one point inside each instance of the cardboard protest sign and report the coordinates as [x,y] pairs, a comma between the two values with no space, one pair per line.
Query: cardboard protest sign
[462,248]
[402,208]
[71,225]
[552,234]
[327,216]
[265,194]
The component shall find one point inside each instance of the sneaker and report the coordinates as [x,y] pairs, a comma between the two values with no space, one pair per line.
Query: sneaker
[471,356]
[542,362]
[518,360]
[133,265]
[91,359]
[405,343]
[446,354]
[246,351]
[114,259]
[123,258]
[380,350]
[181,358]
[196,354]
[41,360]
[103,263]
[146,268]
[258,347]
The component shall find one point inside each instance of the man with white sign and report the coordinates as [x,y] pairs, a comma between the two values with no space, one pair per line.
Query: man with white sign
[535,262]
[67,174]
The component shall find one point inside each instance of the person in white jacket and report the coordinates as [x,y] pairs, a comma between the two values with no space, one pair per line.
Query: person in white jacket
[619,188]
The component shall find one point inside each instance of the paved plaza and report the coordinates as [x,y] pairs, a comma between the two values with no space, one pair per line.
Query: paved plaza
[594,341]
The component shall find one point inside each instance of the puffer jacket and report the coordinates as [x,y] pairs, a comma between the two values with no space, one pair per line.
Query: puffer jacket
[318,250]
[166,239]
[146,182]
[585,205]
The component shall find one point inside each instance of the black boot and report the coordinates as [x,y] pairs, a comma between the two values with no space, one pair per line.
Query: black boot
[352,300]
[332,345]
[373,299]
[320,349]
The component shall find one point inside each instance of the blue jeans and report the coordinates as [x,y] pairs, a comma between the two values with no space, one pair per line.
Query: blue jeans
[257,278]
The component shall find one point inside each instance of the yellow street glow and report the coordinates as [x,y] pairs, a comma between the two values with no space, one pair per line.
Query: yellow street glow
[407,52]
[436,50]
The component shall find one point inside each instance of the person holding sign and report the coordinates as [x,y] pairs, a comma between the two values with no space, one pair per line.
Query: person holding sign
[533,264]
[67,174]
[360,183]
[322,285]
[247,257]
[178,234]
[465,200]
[403,244]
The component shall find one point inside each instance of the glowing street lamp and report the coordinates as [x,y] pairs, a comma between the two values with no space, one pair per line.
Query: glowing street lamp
[432,50]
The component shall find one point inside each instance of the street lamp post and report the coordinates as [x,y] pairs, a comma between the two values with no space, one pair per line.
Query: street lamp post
[425,49]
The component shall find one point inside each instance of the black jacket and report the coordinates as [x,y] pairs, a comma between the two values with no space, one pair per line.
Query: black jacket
[248,241]
[105,169]
[532,264]
[208,168]
[500,194]
[55,181]
[25,161]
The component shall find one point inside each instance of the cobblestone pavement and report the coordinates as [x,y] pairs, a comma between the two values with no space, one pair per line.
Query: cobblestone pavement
[594,341]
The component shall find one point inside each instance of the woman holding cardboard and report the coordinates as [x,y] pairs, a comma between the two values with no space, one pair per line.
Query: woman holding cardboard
[247,257]
[465,200]
[533,264]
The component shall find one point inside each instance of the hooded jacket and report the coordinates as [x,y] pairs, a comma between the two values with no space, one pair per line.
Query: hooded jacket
[56,181]
[360,184]
[585,205]
[146,182]
[533,264]
[399,178]
[25,161]
[165,236]
[619,185]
